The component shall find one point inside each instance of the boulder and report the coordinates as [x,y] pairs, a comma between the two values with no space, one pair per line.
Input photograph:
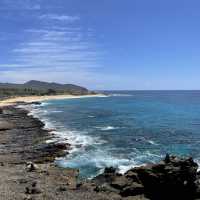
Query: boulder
[120,182]
[105,188]
[132,176]
[5,125]
[36,103]
[110,170]
[33,189]
[137,197]
[107,177]
[31,167]
[132,190]
[172,178]
[125,185]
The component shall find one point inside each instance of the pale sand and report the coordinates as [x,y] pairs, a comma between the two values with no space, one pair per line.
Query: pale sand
[29,99]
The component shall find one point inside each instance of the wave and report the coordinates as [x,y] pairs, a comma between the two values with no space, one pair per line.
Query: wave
[198,163]
[99,159]
[143,139]
[89,152]
[43,104]
[107,128]
[77,139]
[121,95]
[56,111]
[91,116]
[80,142]
[152,142]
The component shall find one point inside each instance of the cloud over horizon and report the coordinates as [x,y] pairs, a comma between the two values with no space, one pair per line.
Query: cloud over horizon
[56,48]
[101,44]
[20,4]
[57,17]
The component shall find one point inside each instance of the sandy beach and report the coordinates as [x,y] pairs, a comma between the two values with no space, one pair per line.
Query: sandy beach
[29,99]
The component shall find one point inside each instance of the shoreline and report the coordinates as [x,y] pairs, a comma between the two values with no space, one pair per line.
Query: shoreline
[28,170]
[26,160]
[31,99]
[27,163]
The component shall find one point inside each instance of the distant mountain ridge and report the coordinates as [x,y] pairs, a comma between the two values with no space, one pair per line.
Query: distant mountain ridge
[55,86]
[34,87]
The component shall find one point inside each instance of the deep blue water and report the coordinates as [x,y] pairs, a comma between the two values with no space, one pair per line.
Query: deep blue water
[125,130]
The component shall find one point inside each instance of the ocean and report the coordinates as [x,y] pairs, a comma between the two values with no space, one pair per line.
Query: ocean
[125,129]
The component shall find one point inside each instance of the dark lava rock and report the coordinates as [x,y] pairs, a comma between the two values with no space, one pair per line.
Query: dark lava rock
[31,167]
[109,170]
[173,178]
[36,103]
[107,177]
[120,182]
[52,147]
[137,197]
[36,191]
[28,103]
[132,190]
[62,189]
[33,189]
[105,188]
[5,125]
[48,152]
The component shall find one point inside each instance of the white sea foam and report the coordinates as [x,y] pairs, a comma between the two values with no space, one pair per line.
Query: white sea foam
[56,111]
[77,139]
[98,158]
[107,128]
[124,168]
[80,142]
[44,104]
[91,116]
[152,142]
[143,139]
[121,95]
[198,163]
[106,160]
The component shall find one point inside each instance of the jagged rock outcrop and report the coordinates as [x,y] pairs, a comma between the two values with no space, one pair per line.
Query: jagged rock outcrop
[172,178]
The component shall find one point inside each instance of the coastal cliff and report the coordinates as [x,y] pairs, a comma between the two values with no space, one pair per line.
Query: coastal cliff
[28,171]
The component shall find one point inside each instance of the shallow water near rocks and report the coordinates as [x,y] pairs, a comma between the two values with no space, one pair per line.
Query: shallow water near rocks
[126,129]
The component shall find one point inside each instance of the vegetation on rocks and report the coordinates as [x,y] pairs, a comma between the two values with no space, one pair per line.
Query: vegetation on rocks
[40,88]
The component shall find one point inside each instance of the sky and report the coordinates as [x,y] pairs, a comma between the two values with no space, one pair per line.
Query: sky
[102,44]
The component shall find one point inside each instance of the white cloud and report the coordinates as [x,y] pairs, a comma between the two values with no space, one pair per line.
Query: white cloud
[53,53]
[56,49]
[65,18]
[20,5]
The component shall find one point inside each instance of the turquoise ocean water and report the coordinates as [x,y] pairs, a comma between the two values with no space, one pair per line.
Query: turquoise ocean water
[125,129]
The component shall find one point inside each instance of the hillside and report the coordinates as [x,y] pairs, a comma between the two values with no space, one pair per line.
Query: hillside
[40,88]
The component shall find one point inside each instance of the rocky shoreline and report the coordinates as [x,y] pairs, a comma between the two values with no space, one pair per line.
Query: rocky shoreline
[28,171]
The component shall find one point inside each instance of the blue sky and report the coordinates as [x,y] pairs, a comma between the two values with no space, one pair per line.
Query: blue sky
[106,44]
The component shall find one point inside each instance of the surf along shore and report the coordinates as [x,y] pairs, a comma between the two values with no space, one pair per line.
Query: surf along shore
[27,167]
[28,171]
